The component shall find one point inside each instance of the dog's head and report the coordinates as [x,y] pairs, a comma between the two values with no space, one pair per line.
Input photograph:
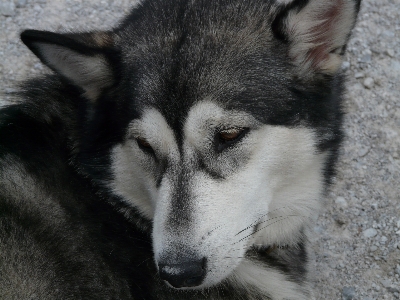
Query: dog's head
[217,120]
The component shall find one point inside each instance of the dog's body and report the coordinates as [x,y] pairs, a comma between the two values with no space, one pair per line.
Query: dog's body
[191,145]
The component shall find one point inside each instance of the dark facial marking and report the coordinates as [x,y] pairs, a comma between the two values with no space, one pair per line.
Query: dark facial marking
[290,260]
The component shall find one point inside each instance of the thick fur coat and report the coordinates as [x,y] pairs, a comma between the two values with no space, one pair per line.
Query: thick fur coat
[182,155]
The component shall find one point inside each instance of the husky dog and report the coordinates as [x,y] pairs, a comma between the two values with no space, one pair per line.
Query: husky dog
[181,155]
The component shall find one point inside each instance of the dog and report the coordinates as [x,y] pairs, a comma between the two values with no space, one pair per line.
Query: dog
[183,154]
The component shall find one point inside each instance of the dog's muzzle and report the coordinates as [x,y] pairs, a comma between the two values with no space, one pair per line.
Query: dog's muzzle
[188,273]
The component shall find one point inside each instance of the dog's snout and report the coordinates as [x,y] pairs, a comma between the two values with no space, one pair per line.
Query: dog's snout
[189,273]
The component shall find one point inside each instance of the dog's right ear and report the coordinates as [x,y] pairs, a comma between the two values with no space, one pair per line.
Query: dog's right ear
[83,59]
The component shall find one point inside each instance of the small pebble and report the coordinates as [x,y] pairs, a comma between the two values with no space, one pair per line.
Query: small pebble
[340,201]
[369,233]
[348,293]
[388,33]
[368,83]
[37,8]
[386,283]
[359,75]
[390,52]
[21,3]
[394,289]
[7,8]
[363,151]
[345,65]
[373,248]
[365,58]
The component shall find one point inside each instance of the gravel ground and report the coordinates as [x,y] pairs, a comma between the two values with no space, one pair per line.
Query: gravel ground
[357,238]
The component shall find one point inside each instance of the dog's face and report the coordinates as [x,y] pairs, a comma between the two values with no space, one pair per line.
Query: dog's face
[216,121]
[226,183]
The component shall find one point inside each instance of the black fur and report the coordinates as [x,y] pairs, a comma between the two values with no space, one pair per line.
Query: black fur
[59,225]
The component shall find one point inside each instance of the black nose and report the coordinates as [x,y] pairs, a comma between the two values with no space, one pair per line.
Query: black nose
[185,274]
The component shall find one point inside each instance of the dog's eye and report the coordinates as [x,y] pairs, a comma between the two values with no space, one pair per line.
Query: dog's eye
[144,144]
[227,137]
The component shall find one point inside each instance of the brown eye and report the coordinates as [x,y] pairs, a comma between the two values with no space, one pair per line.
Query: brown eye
[230,134]
[144,144]
[228,137]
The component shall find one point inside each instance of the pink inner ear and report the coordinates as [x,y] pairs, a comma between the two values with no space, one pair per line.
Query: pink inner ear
[323,34]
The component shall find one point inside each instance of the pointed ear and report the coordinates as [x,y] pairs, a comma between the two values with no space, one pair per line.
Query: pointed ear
[83,59]
[317,32]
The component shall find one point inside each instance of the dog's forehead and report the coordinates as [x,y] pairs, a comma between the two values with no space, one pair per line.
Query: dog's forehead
[200,119]
[203,49]
[215,22]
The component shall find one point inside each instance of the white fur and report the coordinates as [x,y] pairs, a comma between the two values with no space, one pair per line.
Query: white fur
[129,163]
[256,279]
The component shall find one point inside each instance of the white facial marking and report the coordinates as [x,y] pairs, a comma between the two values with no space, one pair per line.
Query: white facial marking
[132,169]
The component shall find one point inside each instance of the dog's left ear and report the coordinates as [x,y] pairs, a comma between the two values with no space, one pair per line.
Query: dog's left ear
[317,32]
[83,59]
